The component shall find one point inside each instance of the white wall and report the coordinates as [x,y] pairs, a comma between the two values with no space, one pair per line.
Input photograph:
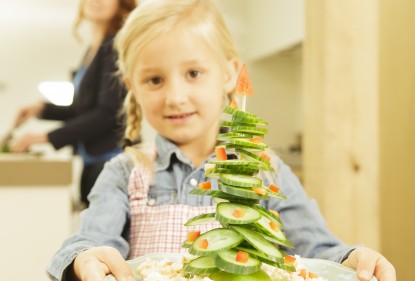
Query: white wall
[36,45]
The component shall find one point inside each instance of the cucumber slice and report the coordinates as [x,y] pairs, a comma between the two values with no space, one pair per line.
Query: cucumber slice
[245,143]
[233,162]
[252,156]
[258,242]
[223,195]
[216,172]
[250,120]
[219,239]
[237,112]
[201,265]
[186,244]
[234,123]
[226,261]
[240,180]
[201,219]
[228,136]
[261,257]
[277,236]
[225,214]
[241,192]
[265,212]
[249,130]
[258,255]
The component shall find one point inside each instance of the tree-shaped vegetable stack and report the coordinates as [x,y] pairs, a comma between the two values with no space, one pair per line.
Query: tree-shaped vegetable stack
[250,232]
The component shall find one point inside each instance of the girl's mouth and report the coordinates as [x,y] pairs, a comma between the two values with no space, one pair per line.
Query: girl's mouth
[180,118]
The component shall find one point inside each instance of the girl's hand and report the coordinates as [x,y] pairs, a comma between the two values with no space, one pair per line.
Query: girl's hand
[22,144]
[368,262]
[94,264]
[27,112]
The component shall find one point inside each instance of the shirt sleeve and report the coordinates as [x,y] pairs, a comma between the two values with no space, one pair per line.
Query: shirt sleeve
[303,222]
[104,223]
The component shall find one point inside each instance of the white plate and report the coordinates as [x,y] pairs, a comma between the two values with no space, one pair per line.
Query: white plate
[329,270]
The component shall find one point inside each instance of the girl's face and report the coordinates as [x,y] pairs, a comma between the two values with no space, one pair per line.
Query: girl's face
[100,11]
[181,86]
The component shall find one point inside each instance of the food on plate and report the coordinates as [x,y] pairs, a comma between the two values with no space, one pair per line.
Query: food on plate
[165,269]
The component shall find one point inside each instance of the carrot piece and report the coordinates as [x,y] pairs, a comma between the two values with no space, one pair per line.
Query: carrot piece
[242,257]
[244,85]
[192,235]
[233,104]
[289,260]
[238,213]
[265,157]
[221,153]
[312,275]
[303,273]
[202,244]
[274,188]
[259,190]
[205,185]
[275,213]
[274,226]
[256,140]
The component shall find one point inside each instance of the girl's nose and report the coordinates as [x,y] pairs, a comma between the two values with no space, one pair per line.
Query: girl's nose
[176,94]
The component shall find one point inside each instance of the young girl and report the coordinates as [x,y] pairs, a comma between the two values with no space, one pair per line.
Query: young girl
[180,65]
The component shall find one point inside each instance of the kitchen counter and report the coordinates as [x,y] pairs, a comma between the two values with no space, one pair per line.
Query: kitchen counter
[35,212]
[34,170]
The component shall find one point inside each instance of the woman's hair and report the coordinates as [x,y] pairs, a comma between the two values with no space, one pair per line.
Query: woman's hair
[154,18]
[125,7]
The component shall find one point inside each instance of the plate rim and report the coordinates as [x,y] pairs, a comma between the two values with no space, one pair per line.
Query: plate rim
[177,256]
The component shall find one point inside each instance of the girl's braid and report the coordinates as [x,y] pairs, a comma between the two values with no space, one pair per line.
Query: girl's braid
[134,117]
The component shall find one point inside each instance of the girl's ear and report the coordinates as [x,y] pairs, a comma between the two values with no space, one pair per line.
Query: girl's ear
[232,69]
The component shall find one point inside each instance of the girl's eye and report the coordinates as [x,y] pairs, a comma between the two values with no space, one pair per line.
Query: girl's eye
[194,73]
[154,81]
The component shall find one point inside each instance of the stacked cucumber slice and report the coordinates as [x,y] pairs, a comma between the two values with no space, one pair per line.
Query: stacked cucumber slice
[251,234]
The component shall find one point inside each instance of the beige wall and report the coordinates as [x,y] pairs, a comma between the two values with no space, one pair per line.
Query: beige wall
[359,155]
[340,125]
[397,133]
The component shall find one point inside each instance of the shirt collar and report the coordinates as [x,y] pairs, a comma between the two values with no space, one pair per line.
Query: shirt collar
[166,150]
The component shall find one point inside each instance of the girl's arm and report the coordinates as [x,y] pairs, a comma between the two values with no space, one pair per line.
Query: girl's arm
[303,222]
[104,223]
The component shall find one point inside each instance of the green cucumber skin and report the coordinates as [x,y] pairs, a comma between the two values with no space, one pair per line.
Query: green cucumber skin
[240,180]
[263,225]
[259,256]
[226,261]
[258,242]
[214,236]
[217,172]
[246,143]
[241,192]
[253,156]
[223,195]
[186,244]
[201,265]
[201,219]
[223,214]
[265,212]
[260,275]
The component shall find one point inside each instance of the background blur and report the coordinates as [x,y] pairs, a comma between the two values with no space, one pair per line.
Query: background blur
[335,79]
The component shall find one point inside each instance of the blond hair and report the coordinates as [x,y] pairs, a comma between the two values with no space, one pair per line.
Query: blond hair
[154,18]
[125,7]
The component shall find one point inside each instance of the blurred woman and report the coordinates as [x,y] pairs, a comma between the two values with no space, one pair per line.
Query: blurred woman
[92,123]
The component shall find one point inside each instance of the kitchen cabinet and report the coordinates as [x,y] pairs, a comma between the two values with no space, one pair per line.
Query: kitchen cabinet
[35,213]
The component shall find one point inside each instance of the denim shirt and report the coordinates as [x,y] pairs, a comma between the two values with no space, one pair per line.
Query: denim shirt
[106,221]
